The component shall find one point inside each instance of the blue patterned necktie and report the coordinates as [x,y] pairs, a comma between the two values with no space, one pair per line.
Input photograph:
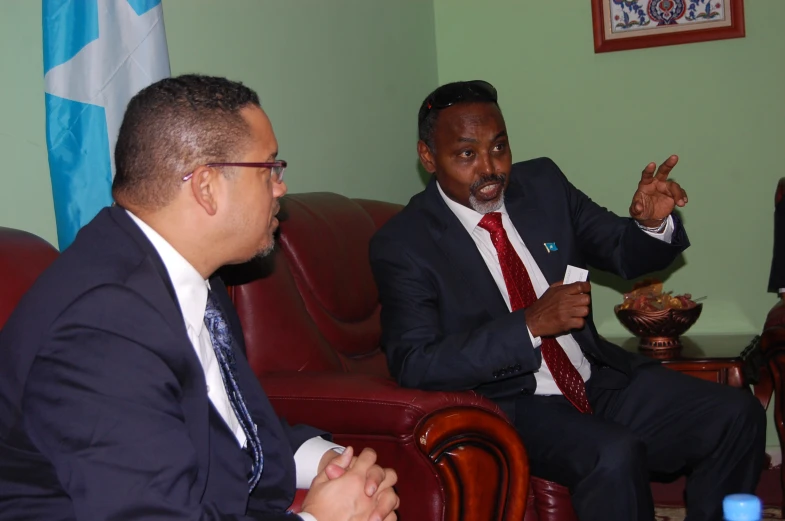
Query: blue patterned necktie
[222,344]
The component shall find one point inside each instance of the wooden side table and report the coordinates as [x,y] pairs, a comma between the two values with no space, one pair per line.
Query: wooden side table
[717,358]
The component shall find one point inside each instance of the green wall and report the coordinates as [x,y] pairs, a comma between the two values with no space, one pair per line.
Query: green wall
[341,81]
[602,117]
[25,190]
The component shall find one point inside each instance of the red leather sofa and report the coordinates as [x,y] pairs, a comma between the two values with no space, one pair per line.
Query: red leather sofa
[311,322]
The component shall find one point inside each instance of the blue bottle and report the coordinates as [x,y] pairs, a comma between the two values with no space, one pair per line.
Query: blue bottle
[741,507]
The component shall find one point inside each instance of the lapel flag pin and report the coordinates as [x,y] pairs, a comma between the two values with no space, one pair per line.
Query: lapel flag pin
[551,246]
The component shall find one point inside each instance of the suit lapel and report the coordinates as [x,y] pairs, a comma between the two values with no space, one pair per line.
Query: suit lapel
[456,243]
[164,298]
[528,219]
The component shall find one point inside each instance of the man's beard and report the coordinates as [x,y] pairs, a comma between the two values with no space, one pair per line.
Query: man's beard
[484,207]
[265,251]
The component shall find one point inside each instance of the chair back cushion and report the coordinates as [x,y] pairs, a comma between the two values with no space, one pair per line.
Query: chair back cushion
[313,304]
[23,257]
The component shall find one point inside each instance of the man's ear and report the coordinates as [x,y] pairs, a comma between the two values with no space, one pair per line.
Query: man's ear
[426,157]
[204,188]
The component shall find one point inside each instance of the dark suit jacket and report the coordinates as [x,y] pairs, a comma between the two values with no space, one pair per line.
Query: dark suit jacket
[104,412]
[444,323]
[777,273]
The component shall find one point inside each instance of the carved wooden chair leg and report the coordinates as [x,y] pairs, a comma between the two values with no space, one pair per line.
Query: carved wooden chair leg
[473,443]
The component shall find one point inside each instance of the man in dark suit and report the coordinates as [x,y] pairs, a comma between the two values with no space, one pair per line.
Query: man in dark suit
[470,282]
[124,391]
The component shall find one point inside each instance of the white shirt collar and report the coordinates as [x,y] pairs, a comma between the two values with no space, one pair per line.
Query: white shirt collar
[468,217]
[189,286]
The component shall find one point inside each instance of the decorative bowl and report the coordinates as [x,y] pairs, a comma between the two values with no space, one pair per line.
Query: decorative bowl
[658,330]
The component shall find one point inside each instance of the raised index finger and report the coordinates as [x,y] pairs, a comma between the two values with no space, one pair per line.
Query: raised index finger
[666,167]
[648,172]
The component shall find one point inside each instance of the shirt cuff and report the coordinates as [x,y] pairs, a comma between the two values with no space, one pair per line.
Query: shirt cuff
[666,234]
[305,516]
[536,341]
[307,458]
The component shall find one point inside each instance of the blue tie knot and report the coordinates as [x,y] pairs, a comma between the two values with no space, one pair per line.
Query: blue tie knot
[220,332]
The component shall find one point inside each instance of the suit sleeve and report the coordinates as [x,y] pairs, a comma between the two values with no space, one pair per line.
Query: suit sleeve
[103,406]
[420,353]
[777,273]
[612,243]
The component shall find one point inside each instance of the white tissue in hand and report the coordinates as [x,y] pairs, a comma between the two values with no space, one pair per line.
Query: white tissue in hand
[574,274]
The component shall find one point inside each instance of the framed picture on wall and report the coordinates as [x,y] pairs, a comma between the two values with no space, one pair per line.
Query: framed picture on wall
[635,24]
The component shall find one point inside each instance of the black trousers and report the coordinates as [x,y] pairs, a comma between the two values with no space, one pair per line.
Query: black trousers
[662,422]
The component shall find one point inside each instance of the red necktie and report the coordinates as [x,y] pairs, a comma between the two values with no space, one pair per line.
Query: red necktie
[522,295]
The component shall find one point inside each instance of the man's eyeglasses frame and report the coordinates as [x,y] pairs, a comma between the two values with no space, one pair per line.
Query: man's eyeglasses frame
[277,169]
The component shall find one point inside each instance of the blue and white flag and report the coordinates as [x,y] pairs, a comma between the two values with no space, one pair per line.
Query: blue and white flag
[97,55]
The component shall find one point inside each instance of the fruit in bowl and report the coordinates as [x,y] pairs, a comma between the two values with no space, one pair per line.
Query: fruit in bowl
[658,318]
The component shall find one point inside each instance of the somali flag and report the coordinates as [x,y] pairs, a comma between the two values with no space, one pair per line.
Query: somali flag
[97,55]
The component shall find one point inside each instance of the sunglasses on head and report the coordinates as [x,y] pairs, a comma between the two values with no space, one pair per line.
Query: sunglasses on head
[449,95]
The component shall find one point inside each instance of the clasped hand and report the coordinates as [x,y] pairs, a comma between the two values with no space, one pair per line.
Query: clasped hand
[353,489]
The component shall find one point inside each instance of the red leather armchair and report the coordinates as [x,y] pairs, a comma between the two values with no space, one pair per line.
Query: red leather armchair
[310,315]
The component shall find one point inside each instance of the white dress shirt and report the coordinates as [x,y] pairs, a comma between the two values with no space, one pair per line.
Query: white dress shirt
[191,290]
[482,238]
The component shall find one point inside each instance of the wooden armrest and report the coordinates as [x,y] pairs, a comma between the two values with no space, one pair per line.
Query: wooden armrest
[466,443]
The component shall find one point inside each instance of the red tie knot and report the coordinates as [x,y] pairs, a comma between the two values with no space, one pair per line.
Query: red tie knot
[492,222]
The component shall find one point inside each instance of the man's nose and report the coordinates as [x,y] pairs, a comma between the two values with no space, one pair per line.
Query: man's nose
[280,189]
[487,165]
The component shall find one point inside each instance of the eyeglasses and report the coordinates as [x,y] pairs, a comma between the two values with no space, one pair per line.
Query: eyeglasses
[450,94]
[276,169]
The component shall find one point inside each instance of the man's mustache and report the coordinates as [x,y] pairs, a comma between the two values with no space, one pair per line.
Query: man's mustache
[486,179]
